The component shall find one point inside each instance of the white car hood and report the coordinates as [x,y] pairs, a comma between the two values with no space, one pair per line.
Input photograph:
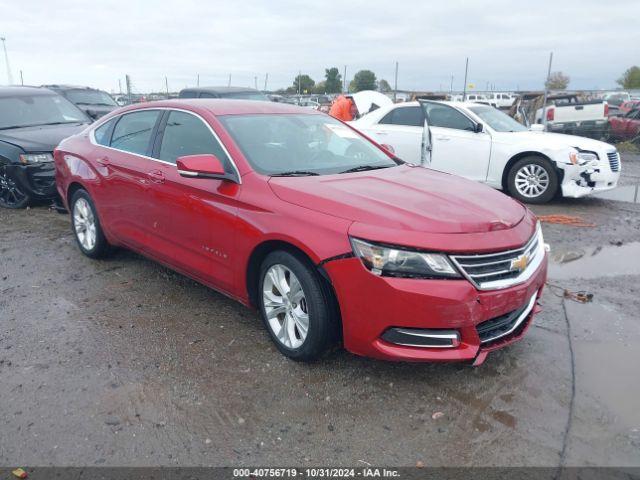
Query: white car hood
[367,98]
[555,141]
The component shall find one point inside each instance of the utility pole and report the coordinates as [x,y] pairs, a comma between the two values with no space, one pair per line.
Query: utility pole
[21,79]
[451,85]
[255,81]
[119,86]
[546,93]
[198,81]
[127,81]
[344,80]
[395,88]
[299,82]
[166,86]
[266,79]
[466,70]
[6,61]
[229,81]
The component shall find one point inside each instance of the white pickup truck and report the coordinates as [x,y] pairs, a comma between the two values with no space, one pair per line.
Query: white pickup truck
[568,114]
[482,143]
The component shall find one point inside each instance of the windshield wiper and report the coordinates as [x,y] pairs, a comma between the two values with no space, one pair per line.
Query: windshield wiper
[364,168]
[295,173]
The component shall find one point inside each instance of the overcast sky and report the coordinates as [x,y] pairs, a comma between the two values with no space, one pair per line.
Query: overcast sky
[508,43]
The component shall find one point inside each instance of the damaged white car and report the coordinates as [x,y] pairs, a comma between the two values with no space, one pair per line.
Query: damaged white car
[481,143]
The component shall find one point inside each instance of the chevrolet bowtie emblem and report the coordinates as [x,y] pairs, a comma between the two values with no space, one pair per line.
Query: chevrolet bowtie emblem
[519,264]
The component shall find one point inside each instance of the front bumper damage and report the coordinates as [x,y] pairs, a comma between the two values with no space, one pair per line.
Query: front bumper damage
[36,180]
[581,180]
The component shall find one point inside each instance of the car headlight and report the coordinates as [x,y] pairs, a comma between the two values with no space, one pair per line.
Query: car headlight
[399,262]
[31,158]
[583,158]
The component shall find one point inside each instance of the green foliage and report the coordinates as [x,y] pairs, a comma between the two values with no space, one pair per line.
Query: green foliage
[631,78]
[557,81]
[333,80]
[305,82]
[384,86]
[363,80]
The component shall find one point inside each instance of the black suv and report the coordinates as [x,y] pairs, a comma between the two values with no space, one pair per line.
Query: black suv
[238,93]
[32,123]
[91,101]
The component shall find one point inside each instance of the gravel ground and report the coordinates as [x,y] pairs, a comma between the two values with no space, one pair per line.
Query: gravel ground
[123,362]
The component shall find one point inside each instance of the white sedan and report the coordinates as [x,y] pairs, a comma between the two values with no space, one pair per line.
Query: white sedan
[481,143]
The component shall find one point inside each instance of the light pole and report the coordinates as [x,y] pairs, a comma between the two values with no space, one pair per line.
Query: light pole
[6,60]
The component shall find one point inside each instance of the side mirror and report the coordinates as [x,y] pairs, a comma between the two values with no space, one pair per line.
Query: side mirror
[201,166]
[93,114]
[479,128]
[388,148]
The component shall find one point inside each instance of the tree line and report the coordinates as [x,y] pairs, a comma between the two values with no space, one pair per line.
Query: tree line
[333,83]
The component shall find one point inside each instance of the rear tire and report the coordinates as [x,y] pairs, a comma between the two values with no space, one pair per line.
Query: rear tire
[297,307]
[533,179]
[86,226]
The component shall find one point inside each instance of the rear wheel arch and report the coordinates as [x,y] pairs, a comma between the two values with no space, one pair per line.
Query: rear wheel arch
[71,189]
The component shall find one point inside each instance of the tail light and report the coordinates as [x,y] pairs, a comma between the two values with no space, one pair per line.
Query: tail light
[606,109]
[551,114]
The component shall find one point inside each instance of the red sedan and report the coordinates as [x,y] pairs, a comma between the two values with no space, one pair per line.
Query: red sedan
[327,234]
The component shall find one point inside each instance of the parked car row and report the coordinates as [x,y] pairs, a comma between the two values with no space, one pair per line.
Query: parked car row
[329,235]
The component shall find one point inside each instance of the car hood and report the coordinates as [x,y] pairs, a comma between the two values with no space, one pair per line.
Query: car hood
[96,111]
[43,138]
[405,198]
[557,140]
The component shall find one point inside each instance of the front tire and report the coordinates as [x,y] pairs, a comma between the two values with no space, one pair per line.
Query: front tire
[533,179]
[86,226]
[296,306]
[10,194]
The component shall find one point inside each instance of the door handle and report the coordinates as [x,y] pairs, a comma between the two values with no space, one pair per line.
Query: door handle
[104,161]
[443,139]
[156,176]
[382,133]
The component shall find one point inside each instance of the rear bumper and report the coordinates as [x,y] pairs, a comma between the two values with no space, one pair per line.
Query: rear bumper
[37,181]
[371,305]
[589,128]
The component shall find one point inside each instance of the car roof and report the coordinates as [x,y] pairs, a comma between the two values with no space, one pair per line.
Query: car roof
[20,91]
[69,87]
[219,89]
[221,106]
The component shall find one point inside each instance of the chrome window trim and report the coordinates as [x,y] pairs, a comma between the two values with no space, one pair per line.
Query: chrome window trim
[518,322]
[92,138]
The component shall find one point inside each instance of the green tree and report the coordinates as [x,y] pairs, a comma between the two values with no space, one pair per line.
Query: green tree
[630,78]
[384,86]
[305,82]
[333,80]
[321,87]
[363,80]
[557,81]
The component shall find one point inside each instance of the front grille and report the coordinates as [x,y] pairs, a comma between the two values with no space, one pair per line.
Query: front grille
[499,270]
[506,324]
[614,161]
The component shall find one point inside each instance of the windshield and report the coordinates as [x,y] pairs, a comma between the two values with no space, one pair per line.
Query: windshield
[27,111]
[497,120]
[302,144]
[90,97]
[245,96]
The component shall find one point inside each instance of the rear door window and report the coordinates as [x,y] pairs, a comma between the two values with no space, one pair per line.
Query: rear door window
[408,116]
[133,131]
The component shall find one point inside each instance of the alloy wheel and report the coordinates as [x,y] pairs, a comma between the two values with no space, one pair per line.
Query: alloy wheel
[84,223]
[285,306]
[532,180]
[10,194]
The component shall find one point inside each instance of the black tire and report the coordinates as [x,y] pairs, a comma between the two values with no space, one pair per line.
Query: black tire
[101,247]
[323,321]
[10,194]
[533,162]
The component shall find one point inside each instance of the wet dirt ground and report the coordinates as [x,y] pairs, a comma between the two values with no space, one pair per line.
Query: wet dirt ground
[123,362]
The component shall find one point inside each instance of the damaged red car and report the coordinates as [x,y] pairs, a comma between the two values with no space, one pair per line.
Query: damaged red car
[326,233]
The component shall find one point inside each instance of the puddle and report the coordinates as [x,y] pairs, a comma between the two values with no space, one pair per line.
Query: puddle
[597,262]
[625,193]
